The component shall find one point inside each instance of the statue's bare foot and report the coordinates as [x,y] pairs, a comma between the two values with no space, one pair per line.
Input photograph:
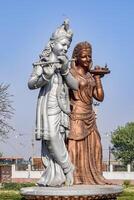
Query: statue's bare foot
[69,177]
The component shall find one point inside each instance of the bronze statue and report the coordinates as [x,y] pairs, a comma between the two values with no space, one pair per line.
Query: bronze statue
[84,142]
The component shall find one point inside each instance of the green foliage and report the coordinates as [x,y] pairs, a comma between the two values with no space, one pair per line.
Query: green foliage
[16,186]
[11,190]
[128,194]
[127,183]
[123,143]
[10,195]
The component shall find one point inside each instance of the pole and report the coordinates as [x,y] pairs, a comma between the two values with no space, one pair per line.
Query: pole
[33,145]
[109,157]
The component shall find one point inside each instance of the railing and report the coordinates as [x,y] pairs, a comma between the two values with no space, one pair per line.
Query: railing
[33,173]
[120,168]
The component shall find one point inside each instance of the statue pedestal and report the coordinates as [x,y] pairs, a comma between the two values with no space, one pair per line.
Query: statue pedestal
[75,192]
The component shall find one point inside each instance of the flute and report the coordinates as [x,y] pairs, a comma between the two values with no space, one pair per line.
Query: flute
[50,62]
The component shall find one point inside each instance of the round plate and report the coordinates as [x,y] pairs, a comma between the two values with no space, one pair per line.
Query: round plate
[100,71]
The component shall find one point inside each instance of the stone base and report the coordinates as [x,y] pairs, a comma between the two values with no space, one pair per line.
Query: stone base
[76,192]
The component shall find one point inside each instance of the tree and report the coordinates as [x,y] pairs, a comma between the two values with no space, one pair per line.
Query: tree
[6,110]
[123,143]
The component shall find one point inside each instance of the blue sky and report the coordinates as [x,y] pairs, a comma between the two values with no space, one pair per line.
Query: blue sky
[25,28]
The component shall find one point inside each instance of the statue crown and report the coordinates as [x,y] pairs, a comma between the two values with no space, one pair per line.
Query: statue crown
[63,31]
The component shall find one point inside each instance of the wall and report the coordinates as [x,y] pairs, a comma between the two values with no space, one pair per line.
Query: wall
[28,175]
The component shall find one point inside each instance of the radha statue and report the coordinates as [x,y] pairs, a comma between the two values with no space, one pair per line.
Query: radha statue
[84,142]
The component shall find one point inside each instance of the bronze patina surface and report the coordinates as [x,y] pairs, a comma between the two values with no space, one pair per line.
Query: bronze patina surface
[84,143]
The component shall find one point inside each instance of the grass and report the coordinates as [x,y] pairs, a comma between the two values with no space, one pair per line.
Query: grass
[16,186]
[10,191]
[128,193]
[10,195]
